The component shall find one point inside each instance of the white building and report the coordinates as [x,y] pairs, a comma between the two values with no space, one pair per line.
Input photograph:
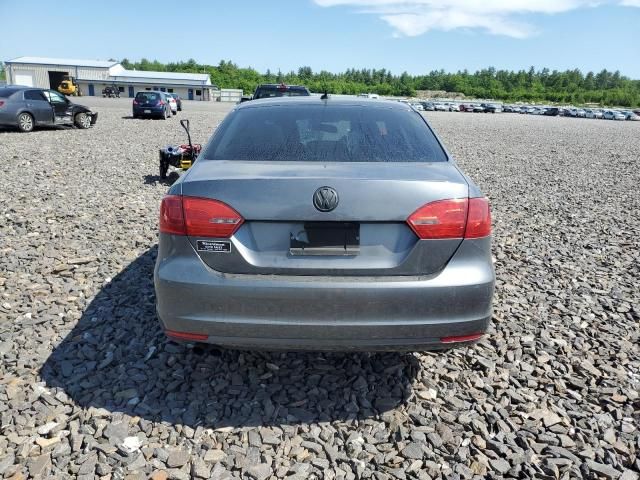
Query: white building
[93,75]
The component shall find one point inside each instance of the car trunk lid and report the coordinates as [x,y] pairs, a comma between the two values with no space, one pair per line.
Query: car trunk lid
[276,201]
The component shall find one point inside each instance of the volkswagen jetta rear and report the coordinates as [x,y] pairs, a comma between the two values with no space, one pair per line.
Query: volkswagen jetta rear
[324,224]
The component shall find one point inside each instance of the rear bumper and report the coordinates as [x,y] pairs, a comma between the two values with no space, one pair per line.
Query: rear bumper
[324,313]
[140,111]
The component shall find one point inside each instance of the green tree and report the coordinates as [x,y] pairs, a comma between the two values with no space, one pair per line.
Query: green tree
[610,88]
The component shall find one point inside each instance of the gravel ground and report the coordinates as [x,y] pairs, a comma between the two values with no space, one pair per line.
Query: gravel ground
[90,388]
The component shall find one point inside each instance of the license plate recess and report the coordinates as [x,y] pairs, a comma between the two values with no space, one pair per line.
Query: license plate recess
[326,239]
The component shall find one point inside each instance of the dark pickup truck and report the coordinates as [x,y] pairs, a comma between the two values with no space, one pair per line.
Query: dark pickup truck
[269,90]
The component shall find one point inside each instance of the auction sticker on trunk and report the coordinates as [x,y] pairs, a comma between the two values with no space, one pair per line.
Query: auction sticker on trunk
[213,246]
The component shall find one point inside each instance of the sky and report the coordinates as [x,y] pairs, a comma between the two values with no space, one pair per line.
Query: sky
[416,36]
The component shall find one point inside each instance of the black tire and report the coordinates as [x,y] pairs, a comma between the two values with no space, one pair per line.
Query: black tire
[165,115]
[82,120]
[25,122]
[164,168]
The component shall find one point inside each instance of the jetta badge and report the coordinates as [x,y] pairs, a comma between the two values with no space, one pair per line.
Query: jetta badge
[325,199]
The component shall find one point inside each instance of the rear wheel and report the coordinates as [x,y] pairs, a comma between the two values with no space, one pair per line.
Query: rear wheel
[82,120]
[25,122]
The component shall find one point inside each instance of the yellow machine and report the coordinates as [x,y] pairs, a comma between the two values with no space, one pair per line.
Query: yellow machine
[69,86]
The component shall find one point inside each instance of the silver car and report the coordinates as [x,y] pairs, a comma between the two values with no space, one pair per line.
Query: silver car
[310,223]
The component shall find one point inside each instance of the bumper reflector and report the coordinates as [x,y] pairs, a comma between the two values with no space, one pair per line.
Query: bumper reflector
[462,338]
[196,337]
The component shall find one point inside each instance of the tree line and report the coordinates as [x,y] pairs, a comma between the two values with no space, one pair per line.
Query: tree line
[569,86]
[566,87]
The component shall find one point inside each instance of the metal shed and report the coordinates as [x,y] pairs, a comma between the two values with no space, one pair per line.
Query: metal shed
[94,75]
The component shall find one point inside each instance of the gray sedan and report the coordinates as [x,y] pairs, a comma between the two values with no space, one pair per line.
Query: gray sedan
[28,107]
[324,224]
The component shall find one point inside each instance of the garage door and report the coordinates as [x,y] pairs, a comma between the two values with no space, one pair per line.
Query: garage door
[25,79]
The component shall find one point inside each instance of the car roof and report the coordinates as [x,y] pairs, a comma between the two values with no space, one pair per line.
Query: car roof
[276,85]
[318,100]
[17,88]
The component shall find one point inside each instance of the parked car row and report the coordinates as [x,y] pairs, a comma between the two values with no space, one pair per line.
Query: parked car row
[156,104]
[455,107]
[597,113]
[436,106]
[484,107]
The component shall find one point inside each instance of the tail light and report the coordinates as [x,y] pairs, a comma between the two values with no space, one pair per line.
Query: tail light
[462,338]
[1,103]
[161,102]
[452,218]
[441,219]
[135,102]
[198,217]
[196,337]
[478,219]
[171,215]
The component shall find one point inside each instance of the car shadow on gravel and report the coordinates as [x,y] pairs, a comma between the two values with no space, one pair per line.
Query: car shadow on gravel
[155,179]
[118,359]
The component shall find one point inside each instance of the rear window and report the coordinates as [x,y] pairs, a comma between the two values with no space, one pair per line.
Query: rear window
[34,95]
[148,97]
[269,92]
[344,133]
[6,92]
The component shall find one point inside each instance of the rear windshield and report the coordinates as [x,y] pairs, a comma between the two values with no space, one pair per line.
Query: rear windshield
[6,92]
[148,97]
[343,133]
[268,92]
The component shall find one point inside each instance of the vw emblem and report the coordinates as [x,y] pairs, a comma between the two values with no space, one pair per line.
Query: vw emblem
[325,199]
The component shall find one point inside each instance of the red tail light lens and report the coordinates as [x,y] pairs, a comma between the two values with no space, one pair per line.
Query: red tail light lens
[171,215]
[453,218]
[196,337]
[198,217]
[441,219]
[135,102]
[462,338]
[1,103]
[210,218]
[479,219]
